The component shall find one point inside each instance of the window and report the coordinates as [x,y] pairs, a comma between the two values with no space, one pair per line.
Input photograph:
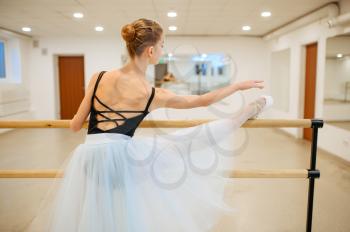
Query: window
[2,60]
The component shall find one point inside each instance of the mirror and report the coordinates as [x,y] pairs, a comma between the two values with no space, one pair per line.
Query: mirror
[194,73]
[280,62]
[336,104]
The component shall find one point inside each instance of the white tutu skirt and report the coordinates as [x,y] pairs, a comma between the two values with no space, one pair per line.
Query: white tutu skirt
[160,183]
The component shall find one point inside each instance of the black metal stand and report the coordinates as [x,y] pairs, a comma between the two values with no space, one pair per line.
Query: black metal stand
[313,172]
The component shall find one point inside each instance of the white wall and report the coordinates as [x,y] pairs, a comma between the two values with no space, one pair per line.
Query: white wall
[105,54]
[329,137]
[279,76]
[99,54]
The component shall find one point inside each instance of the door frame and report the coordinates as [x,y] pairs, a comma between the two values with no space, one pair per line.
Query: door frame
[301,104]
[302,82]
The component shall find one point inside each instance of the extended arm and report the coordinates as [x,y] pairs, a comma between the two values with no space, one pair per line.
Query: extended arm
[165,98]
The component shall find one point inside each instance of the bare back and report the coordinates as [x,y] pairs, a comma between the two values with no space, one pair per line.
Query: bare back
[121,92]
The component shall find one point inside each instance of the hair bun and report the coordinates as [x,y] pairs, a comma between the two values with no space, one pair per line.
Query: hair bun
[128,33]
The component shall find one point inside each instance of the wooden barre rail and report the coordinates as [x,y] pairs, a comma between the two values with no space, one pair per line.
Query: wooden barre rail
[251,123]
[242,173]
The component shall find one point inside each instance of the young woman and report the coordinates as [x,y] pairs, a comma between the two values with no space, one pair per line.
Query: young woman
[117,182]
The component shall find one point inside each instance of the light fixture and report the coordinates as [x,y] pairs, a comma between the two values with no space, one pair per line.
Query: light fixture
[78,15]
[172,14]
[172,28]
[265,14]
[204,55]
[170,54]
[26,29]
[339,55]
[99,28]
[246,28]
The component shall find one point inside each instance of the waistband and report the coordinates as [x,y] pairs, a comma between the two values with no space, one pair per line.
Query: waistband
[105,137]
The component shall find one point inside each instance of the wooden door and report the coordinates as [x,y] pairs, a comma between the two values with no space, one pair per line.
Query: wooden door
[71,84]
[310,86]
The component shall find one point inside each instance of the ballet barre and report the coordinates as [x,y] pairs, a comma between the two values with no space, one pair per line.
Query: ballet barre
[238,173]
[312,173]
[251,123]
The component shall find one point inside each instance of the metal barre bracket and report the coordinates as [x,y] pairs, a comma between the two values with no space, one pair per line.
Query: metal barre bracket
[313,173]
[316,123]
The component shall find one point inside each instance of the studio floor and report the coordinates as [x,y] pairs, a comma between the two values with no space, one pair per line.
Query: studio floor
[264,205]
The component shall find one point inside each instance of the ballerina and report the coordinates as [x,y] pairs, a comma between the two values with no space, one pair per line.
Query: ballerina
[119,182]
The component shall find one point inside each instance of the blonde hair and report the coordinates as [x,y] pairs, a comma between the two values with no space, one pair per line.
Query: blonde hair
[140,34]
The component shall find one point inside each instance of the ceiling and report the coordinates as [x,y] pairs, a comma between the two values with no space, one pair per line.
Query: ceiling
[194,17]
[338,45]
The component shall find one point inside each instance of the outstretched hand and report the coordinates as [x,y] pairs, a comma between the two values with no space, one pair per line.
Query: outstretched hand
[250,84]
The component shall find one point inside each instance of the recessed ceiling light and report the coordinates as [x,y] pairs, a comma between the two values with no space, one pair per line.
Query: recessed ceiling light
[27,29]
[246,28]
[99,28]
[78,15]
[265,14]
[172,28]
[339,55]
[172,14]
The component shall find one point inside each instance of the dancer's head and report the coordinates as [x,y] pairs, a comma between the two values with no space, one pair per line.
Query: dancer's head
[144,39]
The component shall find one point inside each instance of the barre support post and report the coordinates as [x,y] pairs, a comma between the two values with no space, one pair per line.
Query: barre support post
[313,172]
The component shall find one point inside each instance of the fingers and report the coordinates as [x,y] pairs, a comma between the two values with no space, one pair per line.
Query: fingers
[252,84]
[259,85]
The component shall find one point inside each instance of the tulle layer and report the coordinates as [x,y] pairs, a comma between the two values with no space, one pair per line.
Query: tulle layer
[113,182]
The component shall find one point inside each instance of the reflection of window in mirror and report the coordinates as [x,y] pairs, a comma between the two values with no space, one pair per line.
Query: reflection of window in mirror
[280,61]
[220,70]
[336,107]
[2,59]
[195,73]
[204,69]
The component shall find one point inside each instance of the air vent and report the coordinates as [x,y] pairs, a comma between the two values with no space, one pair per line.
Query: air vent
[35,43]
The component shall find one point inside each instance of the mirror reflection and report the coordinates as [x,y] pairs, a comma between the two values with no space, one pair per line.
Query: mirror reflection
[194,73]
[336,108]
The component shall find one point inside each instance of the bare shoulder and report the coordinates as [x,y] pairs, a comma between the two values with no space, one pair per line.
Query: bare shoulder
[94,77]
[161,92]
[162,97]
[115,72]
[93,80]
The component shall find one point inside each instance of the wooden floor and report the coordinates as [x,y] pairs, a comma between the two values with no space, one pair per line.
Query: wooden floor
[264,205]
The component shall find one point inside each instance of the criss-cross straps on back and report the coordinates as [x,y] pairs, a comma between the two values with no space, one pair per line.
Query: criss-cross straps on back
[110,110]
